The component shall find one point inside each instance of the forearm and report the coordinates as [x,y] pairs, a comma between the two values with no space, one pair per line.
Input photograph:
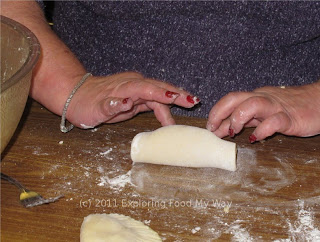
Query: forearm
[58,70]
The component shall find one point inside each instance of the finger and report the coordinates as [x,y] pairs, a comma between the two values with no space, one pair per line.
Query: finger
[111,106]
[252,123]
[162,113]
[146,91]
[185,99]
[137,84]
[257,107]
[129,114]
[105,110]
[278,122]
[151,92]
[223,129]
[224,108]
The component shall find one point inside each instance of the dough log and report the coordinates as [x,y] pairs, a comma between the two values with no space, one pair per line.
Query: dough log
[181,145]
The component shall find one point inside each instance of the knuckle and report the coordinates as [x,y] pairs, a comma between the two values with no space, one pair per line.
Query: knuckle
[240,116]
[257,102]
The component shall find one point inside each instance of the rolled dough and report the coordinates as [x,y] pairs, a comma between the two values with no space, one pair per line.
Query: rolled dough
[182,145]
[116,228]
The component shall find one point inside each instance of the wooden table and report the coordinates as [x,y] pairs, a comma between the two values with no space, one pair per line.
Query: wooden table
[274,194]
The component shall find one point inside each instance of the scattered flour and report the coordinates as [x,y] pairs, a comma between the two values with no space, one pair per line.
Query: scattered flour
[147,222]
[53,168]
[105,153]
[114,103]
[117,183]
[103,182]
[37,150]
[86,173]
[94,130]
[100,169]
[310,161]
[303,228]
[272,179]
[239,234]
[195,230]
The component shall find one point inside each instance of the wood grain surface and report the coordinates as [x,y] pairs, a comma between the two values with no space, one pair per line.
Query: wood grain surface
[273,195]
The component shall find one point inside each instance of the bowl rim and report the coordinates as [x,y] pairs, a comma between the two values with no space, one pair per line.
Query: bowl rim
[34,52]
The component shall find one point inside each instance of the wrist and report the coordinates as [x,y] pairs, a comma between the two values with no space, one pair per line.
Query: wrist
[52,91]
[63,126]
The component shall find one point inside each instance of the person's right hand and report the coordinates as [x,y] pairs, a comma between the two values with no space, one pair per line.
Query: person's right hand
[119,97]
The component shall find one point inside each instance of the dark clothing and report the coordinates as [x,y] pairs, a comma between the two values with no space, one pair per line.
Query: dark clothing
[208,48]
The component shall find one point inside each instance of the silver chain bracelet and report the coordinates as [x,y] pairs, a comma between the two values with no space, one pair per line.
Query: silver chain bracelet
[63,127]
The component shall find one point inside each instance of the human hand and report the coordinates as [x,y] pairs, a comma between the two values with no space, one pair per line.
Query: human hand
[100,99]
[119,97]
[290,111]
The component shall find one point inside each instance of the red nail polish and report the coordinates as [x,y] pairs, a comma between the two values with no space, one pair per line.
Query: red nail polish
[252,138]
[193,99]
[190,99]
[124,101]
[231,132]
[171,94]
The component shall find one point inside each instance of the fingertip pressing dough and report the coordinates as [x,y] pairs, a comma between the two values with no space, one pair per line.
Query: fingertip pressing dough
[182,145]
[115,228]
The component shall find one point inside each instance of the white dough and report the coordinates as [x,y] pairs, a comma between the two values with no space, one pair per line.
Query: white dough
[181,145]
[115,228]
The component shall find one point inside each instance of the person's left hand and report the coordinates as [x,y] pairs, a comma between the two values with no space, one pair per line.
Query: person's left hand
[290,111]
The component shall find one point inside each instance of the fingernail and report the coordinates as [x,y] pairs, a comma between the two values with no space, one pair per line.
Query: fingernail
[124,101]
[252,138]
[231,132]
[193,99]
[209,126]
[171,94]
